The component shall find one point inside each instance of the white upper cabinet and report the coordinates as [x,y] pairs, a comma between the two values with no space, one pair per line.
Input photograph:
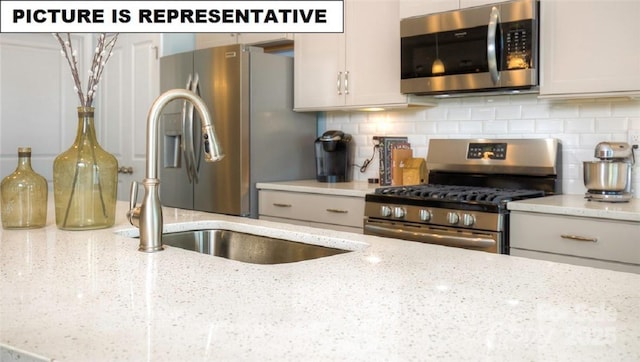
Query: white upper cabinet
[209,40]
[359,68]
[409,8]
[589,48]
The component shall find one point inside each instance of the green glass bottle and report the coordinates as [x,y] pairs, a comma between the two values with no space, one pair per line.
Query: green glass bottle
[24,196]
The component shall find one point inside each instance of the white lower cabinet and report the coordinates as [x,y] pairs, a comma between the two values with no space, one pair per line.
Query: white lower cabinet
[600,243]
[342,213]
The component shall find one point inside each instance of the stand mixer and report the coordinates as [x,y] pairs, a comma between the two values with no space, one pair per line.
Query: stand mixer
[609,179]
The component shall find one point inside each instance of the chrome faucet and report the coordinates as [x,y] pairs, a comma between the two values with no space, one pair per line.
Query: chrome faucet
[148,216]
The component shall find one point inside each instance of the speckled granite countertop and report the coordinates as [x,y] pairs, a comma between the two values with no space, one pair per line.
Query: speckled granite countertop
[577,205]
[353,188]
[91,296]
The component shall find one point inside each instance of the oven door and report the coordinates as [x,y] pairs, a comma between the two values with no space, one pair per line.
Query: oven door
[462,238]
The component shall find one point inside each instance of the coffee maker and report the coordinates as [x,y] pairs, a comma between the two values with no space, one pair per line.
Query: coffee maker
[609,178]
[334,157]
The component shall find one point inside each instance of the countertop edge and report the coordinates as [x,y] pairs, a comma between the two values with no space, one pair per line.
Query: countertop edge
[577,205]
[352,188]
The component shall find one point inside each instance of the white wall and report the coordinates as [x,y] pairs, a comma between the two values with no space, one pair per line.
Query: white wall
[579,125]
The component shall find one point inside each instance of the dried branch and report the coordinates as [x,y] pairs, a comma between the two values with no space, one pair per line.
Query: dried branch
[101,55]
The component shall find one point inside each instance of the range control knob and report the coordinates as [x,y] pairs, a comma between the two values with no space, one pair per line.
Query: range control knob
[468,219]
[385,211]
[453,218]
[399,212]
[425,215]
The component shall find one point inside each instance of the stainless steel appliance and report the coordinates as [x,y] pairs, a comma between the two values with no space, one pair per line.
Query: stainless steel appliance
[609,179]
[334,157]
[491,47]
[470,183]
[250,96]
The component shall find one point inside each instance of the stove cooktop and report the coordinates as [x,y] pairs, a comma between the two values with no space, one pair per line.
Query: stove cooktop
[452,196]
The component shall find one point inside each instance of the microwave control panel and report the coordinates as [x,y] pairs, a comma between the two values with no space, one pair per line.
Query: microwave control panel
[518,44]
[492,151]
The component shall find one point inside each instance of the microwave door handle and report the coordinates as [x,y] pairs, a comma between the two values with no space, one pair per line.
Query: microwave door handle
[492,33]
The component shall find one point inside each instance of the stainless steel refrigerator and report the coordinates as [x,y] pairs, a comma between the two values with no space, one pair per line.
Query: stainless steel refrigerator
[250,96]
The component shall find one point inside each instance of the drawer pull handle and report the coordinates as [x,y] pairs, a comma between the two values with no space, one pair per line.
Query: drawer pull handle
[338,211]
[579,238]
[281,205]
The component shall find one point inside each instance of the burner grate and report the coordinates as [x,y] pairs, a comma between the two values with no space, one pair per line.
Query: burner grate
[459,193]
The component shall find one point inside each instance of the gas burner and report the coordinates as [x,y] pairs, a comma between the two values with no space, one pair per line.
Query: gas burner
[459,193]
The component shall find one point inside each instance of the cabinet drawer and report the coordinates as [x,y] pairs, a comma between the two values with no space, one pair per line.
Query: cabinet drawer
[583,237]
[338,210]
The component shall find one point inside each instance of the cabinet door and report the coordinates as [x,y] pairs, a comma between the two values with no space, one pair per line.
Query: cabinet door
[593,50]
[259,38]
[409,8]
[38,105]
[318,71]
[372,53]
[472,3]
[130,85]
[210,40]
[356,69]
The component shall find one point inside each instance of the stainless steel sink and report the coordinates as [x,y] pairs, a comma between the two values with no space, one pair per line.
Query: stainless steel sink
[247,248]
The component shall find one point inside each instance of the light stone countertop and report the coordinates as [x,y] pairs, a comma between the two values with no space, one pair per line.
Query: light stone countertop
[577,205]
[91,296]
[353,188]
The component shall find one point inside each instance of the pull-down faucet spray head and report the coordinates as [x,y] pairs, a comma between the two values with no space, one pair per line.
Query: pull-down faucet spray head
[148,217]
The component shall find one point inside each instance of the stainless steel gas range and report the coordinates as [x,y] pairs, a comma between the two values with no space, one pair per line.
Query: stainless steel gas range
[465,202]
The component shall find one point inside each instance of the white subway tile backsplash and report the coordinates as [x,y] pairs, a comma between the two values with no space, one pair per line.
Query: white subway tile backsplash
[579,125]
[592,139]
[535,111]
[525,126]
[611,124]
[471,127]
[549,126]
[625,109]
[564,110]
[433,114]
[483,113]
[496,127]
[595,109]
[508,112]
[426,128]
[447,127]
[459,114]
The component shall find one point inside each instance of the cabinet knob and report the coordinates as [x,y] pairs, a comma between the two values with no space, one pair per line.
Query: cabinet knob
[125,170]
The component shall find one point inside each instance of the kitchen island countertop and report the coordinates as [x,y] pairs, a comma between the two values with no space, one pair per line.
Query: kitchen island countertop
[80,296]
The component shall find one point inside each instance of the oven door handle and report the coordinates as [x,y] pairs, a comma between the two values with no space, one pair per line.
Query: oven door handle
[431,238]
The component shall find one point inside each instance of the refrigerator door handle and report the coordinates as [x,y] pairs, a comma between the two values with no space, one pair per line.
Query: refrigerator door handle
[187,135]
[195,88]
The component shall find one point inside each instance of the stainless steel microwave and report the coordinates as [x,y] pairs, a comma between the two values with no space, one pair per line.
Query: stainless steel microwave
[484,48]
